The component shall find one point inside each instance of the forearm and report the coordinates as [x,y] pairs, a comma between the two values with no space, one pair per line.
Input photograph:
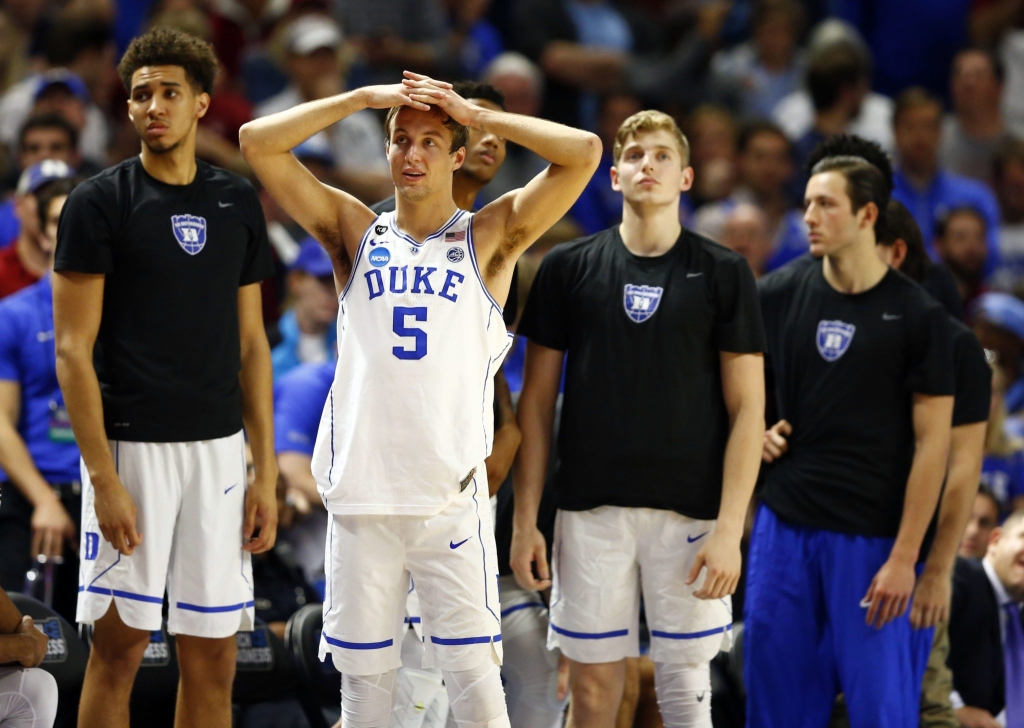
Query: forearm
[256,380]
[739,472]
[14,648]
[561,145]
[530,469]
[591,69]
[296,469]
[965,460]
[16,461]
[923,487]
[10,617]
[285,130]
[84,404]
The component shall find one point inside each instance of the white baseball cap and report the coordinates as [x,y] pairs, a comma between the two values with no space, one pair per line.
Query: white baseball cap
[313,32]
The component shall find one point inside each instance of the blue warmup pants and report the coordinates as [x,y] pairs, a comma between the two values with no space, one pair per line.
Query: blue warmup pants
[805,637]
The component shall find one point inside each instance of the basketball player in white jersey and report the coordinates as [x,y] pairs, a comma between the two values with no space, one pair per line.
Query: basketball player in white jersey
[408,421]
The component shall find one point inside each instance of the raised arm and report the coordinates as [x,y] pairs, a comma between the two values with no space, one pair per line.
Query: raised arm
[510,224]
[77,309]
[335,218]
[892,586]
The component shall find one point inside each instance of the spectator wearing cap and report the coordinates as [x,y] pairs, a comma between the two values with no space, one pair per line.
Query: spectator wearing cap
[998,321]
[961,243]
[974,132]
[927,189]
[40,497]
[79,54]
[306,332]
[29,257]
[47,136]
[315,71]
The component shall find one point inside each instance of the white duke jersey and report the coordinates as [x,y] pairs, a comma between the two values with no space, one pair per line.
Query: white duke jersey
[410,412]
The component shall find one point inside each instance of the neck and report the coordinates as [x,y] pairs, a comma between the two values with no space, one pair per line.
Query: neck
[855,268]
[920,177]
[32,257]
[307,324]
[176,167]
[981,122]
[464,191]
[420,218]
[650,230]
[831,121]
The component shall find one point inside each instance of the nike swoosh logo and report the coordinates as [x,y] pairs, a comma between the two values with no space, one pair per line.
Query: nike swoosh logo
[700,697]
[697,538]
[693,275]
[453,545]
[230,489]
[891,316]
[225,204]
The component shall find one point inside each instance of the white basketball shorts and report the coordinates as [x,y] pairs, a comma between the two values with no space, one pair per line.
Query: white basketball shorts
[451,557]
[602,559]
[190,503]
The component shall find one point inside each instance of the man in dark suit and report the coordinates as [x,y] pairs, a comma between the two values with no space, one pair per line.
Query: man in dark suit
[986,633]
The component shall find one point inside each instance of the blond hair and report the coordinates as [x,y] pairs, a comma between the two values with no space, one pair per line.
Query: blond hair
[647,121]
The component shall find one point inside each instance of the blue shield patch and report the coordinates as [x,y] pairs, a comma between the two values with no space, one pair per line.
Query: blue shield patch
[190,232]
[641,302]
[834,339]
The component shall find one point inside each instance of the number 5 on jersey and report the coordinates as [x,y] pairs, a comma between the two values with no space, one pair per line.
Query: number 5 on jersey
[419,336]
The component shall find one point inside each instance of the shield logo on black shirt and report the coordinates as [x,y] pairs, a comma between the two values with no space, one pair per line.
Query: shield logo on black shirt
[190,232]
[834,339]
[641,301]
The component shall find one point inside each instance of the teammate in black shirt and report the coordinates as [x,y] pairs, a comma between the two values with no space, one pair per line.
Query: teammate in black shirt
[862,364]
[162,355]
[664,398]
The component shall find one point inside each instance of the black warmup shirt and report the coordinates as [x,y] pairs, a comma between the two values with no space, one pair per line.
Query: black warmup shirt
[972,377]
[168,354]
[845,368]
[644,422]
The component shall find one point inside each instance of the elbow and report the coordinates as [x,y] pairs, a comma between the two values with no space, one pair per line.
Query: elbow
[247,138]
[592,150]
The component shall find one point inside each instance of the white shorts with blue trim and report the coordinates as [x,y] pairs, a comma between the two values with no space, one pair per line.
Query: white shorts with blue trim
[603,558]
[190,503]
[450,555]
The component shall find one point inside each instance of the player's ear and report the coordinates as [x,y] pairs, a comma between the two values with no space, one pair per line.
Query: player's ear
[686,181]
[203,104]
[613,173]
[460,158]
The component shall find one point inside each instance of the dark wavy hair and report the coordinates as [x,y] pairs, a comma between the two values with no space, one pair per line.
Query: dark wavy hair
[864,184]
[851,145]
[170,47]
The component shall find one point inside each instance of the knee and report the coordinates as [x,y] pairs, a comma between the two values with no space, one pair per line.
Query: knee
[209,661]
[595,688]
[40,689]
[119,657]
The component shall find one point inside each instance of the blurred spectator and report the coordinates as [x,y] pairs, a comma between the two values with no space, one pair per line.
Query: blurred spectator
[1003,468]
[838,80]
[479,41]
[315,71]
[765,168]
[986,634]
[40,507]
[48,136]
[394,35]
[28,258]
[913,41]
[13,56]
[712,134]
[80,56]
[306,333]
[928,190]
[961,243]
[770,66]
[31,21]
[748,232]
[998,321]
[522,82]
[241,27]
[973,134]
[600,207]
[1008,180]
[984,519]
[299,399]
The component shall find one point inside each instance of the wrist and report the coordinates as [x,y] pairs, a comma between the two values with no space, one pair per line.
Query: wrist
[903,556]
[44,496]
[938,568]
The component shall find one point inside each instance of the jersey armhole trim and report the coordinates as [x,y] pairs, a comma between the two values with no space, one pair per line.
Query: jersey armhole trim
[476,266]
[355,260]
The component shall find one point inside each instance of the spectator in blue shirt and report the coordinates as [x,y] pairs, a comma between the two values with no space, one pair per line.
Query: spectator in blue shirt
[927,190]
[306,333]
[40,501]
[998,321]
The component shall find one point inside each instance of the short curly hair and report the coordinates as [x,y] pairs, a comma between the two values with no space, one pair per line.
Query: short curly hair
[170,47]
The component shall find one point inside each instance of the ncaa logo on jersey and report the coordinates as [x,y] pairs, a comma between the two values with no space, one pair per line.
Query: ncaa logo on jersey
[834,339]
[190,232]
[641,302]
[379,257]
[455,255]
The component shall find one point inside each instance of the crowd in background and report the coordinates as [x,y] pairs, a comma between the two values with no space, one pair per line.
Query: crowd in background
[755,84]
